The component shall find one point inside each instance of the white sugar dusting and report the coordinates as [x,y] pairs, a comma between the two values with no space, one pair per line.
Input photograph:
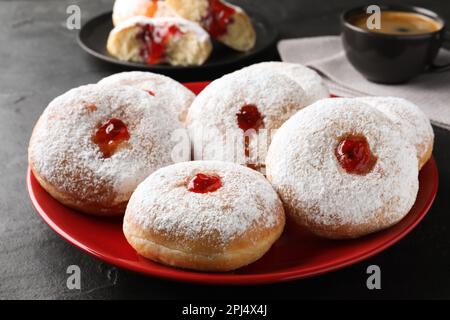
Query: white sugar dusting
[212,115]
[184,25]
[246,199]
[302,166]
[308,79]
[411,121]
[172,94]
[126,9]
[63,153]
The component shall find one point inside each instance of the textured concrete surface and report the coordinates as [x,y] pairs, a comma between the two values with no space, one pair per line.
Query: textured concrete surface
[39,59]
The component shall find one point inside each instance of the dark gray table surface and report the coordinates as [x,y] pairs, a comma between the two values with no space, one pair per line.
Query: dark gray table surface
[39,59]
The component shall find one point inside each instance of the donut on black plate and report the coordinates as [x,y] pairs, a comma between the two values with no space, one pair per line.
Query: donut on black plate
[225,22]
[172,40]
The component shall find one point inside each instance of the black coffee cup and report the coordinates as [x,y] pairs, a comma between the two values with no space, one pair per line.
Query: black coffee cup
[391,58]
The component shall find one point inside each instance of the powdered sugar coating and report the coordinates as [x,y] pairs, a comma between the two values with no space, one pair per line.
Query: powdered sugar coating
[212,120]
[308,79]
[62,152]
[184,25]
[162,204]
[126,9]
[302,166]
[170,93]
[412,122]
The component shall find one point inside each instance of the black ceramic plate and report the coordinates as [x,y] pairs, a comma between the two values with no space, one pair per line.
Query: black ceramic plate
[94,34]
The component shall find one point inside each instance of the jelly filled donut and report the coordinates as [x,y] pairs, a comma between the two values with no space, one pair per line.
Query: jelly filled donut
[172,94]
[175,41]
[412,122]
[233,118]
[94,144]
[225,22]
[343,169]
[204,215]
[308,79]
[126,9]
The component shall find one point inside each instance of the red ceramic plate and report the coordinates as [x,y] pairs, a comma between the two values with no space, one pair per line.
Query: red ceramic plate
[297,254]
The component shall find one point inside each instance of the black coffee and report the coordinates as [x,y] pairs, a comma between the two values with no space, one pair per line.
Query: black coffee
[399,23]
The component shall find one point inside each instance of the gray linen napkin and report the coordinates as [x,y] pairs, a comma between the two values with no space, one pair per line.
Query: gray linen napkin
[430,91]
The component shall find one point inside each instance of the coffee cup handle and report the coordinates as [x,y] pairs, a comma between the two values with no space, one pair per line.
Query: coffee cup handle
[444,67]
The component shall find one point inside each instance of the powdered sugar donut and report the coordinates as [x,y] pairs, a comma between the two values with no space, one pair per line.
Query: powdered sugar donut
[172,40]
[94,144]
[224,21]
[233,118]
[343,169]
[126,9]
[413,123]
[204,215]
[172,94]
[307,78]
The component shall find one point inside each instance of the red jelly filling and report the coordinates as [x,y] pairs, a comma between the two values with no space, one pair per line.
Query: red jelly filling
[154,41]
[354,154]
[218,17]
[249,117]
[204,183]
[150,92]
[110,135]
